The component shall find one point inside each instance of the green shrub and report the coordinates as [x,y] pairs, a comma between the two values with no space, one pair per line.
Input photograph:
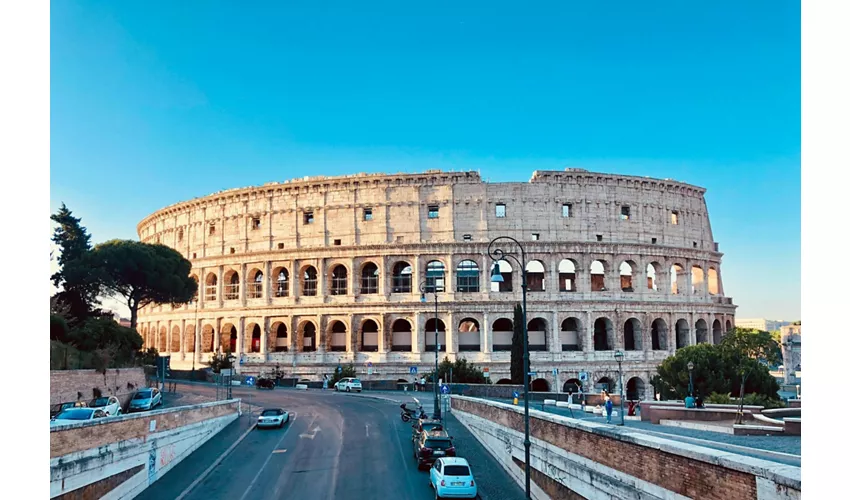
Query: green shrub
[762,400]
[719,399]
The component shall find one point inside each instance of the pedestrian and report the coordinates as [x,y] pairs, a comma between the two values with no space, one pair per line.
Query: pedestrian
[422,384]
[609,407]
[570,397]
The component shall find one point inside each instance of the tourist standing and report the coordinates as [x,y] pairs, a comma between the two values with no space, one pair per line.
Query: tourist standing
[609,407]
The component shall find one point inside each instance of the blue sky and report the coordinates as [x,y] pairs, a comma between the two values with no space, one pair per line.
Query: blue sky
[157,102]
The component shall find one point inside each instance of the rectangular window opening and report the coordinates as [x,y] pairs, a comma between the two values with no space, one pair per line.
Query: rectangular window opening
[566,209]
[255,223]
[695,244]
[674,218]
[337,243]
[654,240]
[280,246]
[194,255]
[501,210]
[534,237]
[625,212]
[367,213]
[598,237]
[433,211]
[308,217]
[232,250]
[467,237]
[212,229]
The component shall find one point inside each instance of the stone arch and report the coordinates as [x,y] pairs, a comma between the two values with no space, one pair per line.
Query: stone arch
[255,283]
[339,280]
[728,326]
[572,385]
[653,271]
[504,381]
[231,285]
[402,335]
[635,389]
[229,338]
[194,277]
[713,281]
[507,272]
[716,332]
[254,338]
[603,334]
[280,275]
[539,385]
[337,336]
[207,338]
[189,339]
[309,282]
[369,336]
[627,270]
[211,287]
[467,276]
[162,344]
[702,331]
[538,335]
[503,333]
[435,276]
[307,336]
[535,275]
[597,276]
[678,279]
[606,384]
[632,335]
[402,277]
[571,334]
[469,336]
[369,278]
[682,332]
[279,337]
[697,279]
[429,335]
[175,339]
[659,335]
[567,270]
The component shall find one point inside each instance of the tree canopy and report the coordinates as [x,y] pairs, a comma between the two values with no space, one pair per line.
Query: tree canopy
[78,286]
[461,370]
[345,372]
[143,274]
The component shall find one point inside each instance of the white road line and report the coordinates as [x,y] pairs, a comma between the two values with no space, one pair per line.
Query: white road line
[283,435]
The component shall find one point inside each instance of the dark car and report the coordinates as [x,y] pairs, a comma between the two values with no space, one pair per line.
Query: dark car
[265,383]
[432,445]
[426,425]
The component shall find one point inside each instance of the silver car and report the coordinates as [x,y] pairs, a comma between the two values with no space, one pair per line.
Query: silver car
[273,417]
[146,399]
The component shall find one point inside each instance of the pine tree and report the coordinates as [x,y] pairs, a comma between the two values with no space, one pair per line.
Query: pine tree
[78,288]
[517,347]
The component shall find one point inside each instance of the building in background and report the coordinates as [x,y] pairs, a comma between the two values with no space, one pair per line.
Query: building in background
[763,324]
[791,344]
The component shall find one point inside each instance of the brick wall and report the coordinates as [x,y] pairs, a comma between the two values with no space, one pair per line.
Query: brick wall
[74,385]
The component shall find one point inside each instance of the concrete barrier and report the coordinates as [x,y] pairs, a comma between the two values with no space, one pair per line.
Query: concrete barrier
[793,426]
[302,387]
[118,457]
[757,430]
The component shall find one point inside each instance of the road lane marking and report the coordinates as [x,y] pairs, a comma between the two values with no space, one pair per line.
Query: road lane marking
[253,481]
[367,430]
[311,434]
[280,451]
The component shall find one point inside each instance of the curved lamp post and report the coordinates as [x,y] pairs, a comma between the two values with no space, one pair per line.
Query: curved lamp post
[423,288]
[618,355]
[497,254]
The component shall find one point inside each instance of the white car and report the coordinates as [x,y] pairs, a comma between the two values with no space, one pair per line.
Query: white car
[273,417]
[348,384]
[109,404]
[145,399]
[451,477]
[76,415]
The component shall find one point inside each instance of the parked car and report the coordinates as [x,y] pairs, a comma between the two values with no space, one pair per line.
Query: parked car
[272,417]
[146,399]
[428,425]
[265,383]
[109,404]
[451,477]
[348,384]
[432,445]
[76,415]
[57,409]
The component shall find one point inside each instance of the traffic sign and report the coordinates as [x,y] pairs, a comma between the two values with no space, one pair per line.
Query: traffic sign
[486,372]
[369,364]
[445,389]
[555,372]
[249,380]
[582,376]
[413,370]
[339,369]
[516,394]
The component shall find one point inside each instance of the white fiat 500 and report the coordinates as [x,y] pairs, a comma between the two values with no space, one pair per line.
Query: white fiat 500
[451,477]
[349,384]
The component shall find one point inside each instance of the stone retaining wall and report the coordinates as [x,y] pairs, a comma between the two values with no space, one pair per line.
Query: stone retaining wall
[78,385]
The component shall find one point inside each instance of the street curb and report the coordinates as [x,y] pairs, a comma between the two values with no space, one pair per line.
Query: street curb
[215,464]
[369,396]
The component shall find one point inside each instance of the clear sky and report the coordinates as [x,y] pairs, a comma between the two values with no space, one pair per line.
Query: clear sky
[158,102]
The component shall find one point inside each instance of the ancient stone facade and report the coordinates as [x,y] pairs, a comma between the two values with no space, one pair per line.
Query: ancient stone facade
[314,272]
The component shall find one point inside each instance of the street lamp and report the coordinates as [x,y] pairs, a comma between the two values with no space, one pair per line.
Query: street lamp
[497,254]
[423,287]
[232,359]
[690,378]
[618,355]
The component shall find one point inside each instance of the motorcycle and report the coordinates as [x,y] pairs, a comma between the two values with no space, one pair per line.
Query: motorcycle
[408,413]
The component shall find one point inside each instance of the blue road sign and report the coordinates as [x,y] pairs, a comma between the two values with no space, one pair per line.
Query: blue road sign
[444,389]
[516,394]
[338,369]
[413,370]
[249,381]
[369,364]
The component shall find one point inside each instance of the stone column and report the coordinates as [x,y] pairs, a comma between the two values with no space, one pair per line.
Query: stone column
[182,339]
[240,337]
[385,278]
[243,284]
[202,287]
[198,347]
[352,329]
[320,330]
[451,334]
[416,335]
[295,278]
[382,335]
[554,340]
[486,335]
[293,335]
[588,345]
[264,337]
[220,288]
[217,336]
[267,282]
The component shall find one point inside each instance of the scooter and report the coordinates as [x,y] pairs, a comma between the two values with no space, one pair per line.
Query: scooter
[409,413]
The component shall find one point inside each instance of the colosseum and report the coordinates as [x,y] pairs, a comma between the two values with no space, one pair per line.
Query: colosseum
[311,273]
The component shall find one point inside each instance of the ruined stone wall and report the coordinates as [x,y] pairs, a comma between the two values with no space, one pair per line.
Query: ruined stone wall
[78,385]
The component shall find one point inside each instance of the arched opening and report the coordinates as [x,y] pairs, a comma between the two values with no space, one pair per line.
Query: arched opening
[537,335]
[697,280]
[162,345]
[369,332]
[503,333]
[211,287]
[469,338]
[713,282]
[605,384]
[401,381]
[678,280]
[402,277]
[310,282]
[682,332]
[626,281]
[175,339]
[339,280]
[402,333]
[535,275]
[468,276]
[229,338]
[231,288]
[504,381]
[189,339]
[652,271]
[702,331]
[435,277]
[282,283]
[728,326]
[659,335]
[369,278]
[207,338]
[567,276]
[717,332]
[308,337]
[255,284]
[597,276]
[280,337]
[635,389]
[197,289]
[338,336]
[632,335]
[603,334]
[507,272]
[570,335]
[572,385]
[539,385]
[256,338]
[429,335]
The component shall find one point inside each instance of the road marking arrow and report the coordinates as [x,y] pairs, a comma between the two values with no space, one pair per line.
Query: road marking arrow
[311,434]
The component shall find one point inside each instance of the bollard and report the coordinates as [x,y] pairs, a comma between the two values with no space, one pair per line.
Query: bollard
[516,400]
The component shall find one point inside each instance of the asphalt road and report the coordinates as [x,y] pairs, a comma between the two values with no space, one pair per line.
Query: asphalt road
[336,446]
